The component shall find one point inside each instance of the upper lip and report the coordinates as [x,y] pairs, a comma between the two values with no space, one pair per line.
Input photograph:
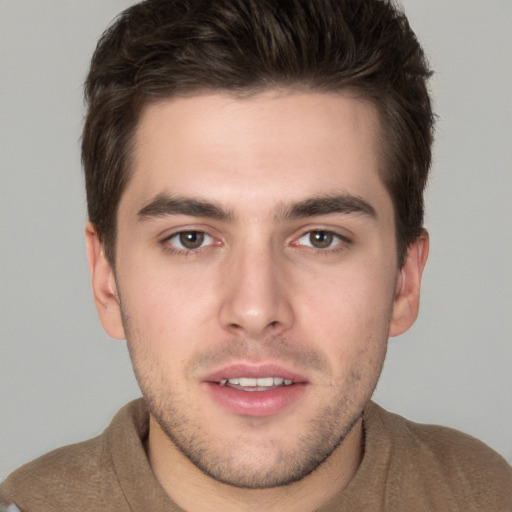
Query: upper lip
[254,371]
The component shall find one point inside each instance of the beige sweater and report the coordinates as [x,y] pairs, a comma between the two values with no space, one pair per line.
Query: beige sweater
[406,467]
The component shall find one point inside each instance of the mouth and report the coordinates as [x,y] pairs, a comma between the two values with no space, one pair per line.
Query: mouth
[255,391]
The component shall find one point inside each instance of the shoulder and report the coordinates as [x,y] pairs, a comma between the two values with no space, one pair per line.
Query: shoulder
[79,473]
[41,481]
[440,458]
[447,446]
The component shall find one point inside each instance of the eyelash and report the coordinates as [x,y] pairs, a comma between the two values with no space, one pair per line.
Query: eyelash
[342,242]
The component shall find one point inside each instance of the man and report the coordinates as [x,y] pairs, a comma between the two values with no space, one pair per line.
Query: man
[254,174]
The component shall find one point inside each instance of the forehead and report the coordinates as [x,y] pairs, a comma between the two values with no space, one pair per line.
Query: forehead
[267,148]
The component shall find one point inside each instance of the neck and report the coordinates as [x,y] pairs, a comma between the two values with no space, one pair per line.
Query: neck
[195,491]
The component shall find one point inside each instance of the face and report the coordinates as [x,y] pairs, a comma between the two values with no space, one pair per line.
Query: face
[256,278]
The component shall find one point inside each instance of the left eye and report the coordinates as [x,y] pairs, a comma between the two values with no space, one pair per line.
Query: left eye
[190,240]
[320,239]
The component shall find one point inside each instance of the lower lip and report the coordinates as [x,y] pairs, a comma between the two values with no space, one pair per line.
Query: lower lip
[256,404]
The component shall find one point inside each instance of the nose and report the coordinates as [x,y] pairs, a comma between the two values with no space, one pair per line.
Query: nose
[255,300]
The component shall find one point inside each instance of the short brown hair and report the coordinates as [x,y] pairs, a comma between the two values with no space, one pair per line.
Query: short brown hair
[162,48]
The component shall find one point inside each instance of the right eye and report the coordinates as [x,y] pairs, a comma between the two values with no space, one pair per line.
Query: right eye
[190,240]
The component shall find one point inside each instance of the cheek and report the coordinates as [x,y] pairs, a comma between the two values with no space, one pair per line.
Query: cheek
[348,313]
[351,298]
[164,305]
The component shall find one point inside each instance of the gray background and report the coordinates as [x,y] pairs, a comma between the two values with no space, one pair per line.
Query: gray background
[62,378]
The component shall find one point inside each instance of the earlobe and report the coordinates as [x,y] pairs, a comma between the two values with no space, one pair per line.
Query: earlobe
[407,295]
[104,285]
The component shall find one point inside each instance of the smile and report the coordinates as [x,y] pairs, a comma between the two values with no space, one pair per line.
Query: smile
[255,384]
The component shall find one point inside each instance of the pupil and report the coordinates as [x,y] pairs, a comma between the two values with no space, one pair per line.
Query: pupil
[191,239]
[320,239]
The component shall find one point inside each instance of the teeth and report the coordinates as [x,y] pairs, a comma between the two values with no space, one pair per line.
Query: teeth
[262,382]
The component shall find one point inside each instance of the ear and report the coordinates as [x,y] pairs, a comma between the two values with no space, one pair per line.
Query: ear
[104,286]
[407,295]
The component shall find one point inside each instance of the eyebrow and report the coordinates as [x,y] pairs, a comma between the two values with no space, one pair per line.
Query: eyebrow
[165,204]
[326,205]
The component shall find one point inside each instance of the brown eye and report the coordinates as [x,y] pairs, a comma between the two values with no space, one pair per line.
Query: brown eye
[321,239]
[191,239]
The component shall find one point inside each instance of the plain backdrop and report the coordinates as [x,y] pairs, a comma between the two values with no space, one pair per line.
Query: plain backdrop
[62,378]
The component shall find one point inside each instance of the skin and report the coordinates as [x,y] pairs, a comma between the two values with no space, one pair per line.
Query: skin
[258,289]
